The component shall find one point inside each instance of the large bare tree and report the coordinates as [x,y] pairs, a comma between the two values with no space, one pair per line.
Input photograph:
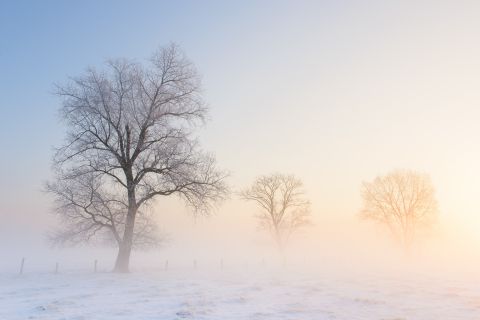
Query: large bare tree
[403,200]
[283,205]
[130,141]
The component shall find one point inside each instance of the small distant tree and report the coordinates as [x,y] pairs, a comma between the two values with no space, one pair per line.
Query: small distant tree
[283,206]
[404,201]
[130,141]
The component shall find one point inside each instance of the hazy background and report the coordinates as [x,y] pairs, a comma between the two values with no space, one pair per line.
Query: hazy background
[335,92]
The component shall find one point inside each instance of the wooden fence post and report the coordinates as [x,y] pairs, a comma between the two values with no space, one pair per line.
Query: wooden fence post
[21,265]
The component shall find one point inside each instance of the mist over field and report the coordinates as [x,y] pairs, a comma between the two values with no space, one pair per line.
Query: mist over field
[220,160]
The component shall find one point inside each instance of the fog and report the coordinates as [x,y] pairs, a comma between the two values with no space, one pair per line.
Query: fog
[231,234]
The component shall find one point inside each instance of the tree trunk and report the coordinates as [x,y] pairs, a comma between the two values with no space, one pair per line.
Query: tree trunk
[125,248]
[122,262]
[123,259]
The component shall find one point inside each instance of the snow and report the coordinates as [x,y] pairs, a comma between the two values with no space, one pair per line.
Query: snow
[229,294]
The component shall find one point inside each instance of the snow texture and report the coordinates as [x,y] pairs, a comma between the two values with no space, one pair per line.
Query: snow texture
[226,295]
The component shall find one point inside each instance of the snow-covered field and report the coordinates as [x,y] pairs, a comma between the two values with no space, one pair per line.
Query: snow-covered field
[224,294]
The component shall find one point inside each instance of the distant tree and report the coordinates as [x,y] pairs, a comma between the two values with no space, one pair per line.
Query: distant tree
[404,201]
[130,141]
[283,206]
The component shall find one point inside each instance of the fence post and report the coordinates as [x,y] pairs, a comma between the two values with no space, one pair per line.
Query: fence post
[21,265]
[56,268]
[95,266]
[166,265]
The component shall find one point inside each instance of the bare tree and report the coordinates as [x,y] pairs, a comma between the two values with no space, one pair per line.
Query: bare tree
[283,206]
[91,213]
[129,141]
[403,200]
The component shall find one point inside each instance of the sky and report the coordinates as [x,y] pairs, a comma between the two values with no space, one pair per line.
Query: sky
[335,92]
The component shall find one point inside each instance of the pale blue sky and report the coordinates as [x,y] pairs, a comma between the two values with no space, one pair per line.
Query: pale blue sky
[43,42]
